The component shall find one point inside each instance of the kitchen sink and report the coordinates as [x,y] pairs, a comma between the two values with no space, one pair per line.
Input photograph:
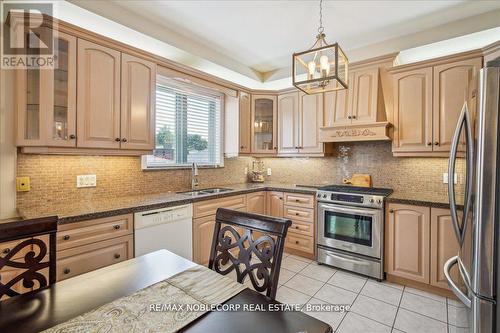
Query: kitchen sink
[206,191]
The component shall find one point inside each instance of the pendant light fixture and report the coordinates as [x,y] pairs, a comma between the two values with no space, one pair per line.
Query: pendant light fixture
[321,68]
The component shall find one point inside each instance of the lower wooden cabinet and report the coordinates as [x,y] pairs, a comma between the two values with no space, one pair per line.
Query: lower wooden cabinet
[256,202]
[419,240]
[274,205]
[203,231]
[86,258]
[85,246]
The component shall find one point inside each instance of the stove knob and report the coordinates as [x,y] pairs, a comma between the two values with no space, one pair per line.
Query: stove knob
[372,201]
[319,195]
[379,201]
[324,196]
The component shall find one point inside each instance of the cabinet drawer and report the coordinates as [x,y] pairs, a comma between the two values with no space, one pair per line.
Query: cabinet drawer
[299,200]
[301,243]
[83,259]
[299,214]
[210,207]
[88,232]
[6,247]
[302,228]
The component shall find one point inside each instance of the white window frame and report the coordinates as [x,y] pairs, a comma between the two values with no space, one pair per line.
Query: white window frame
[196,89]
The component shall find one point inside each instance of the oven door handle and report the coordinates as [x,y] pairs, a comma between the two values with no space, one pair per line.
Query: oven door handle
[350,209]
[345,258]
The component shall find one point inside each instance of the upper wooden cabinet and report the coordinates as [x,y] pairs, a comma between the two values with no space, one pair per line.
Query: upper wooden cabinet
[245,123]
[46,99]
[337,108]
[98,96]
[364,96]
[427,103]
[264,124]
[300,117]
[413,100]
[95,97]
[138,99]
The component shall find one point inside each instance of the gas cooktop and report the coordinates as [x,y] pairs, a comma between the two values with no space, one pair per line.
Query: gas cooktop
[357,190]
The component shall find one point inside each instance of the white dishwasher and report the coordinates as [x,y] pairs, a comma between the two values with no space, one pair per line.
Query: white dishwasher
[168,228]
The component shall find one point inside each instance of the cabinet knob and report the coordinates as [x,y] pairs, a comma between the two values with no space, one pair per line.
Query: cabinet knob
[296,227]
[241,147]
[353,117]
[436,143]
[117,140]
[117,256]
[429,143]
[124,140]
[391,211]
[66,271]
[117,226]
[297,214]
[349,117]
[296,242]
[275,148]
[66,237]
[6,250]
[72,136]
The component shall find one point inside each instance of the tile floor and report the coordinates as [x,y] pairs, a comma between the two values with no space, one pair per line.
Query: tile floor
[374,306]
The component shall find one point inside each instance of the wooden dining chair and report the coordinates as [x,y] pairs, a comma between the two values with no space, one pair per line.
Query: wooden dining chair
[234,248]
[27,255]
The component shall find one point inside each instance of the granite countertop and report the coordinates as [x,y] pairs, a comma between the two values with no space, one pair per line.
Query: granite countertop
[419,199]
[69,212]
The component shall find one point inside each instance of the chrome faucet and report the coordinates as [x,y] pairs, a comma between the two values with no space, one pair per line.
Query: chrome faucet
[194,176]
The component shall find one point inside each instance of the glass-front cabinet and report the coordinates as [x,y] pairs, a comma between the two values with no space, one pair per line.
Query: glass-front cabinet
[46,99]
[264,124]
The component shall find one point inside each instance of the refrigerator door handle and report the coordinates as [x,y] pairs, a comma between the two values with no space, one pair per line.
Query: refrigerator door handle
[464,122]
[454,288]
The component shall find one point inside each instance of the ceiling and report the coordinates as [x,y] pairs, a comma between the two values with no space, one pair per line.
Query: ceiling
[257,38]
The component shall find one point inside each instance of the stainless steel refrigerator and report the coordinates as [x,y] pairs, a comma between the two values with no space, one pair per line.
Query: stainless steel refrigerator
[473,274]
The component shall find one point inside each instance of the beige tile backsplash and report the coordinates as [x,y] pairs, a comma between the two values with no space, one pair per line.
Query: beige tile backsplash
[53,177]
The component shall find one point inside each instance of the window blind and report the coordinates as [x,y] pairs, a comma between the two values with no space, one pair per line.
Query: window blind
[188,128]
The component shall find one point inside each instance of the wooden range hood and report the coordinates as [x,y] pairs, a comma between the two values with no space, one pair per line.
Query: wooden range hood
[359,112]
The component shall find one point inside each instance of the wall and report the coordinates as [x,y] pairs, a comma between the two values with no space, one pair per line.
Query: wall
[53,178]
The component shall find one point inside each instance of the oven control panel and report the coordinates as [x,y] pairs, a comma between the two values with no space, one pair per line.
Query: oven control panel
[364,200]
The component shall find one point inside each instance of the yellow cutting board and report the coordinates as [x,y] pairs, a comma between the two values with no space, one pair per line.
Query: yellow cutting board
[363,180]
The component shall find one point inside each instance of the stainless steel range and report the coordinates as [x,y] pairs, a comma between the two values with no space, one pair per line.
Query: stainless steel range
[351,228]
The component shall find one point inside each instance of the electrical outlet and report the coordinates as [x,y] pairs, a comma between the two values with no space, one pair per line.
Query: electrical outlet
[86,181]
[246,171]
[269,171]
[445,178]
[22,184]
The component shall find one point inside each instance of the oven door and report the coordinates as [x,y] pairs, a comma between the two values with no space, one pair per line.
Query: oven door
[353,229]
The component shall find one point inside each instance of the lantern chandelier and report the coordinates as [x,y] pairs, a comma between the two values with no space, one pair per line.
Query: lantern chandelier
[321,68]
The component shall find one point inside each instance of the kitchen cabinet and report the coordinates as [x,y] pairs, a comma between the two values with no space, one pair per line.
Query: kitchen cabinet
[413,105]
[138,99]
[365,96]
[264,124]
[288,120]
[427,102]
[92,244]
[300,117]
[98,106]
[338,105]
[46,99]
[274,204]
[256,202]
[245,123]
[444,245]
[408,242]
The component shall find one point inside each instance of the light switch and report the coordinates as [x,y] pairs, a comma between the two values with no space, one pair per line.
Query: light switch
[86,181]
[269,171]
[22,184]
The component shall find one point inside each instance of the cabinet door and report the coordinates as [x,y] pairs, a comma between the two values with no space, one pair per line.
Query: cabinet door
[311,119]
[444,245]
[275,204]
[288,123]
[264,124]
[413,110]
[365,96]
[408,238]
[343,104]
[61,115]
[138,91]
[454,83]
[203,231]
[256,203]
[245,123]
[98,104]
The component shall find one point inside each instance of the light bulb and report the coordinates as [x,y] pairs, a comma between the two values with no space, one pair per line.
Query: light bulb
[324,65]
[312,67]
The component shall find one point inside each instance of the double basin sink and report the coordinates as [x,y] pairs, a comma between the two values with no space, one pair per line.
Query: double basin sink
[205,191]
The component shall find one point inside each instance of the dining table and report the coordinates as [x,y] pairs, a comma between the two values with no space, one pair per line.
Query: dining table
[67,299]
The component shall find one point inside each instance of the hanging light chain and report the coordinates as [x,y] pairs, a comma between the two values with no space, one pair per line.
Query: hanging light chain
[321,29]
